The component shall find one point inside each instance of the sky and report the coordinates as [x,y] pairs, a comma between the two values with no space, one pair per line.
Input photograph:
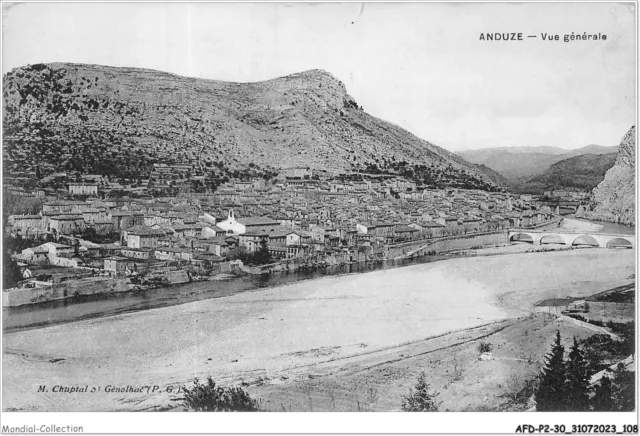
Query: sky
[421,66]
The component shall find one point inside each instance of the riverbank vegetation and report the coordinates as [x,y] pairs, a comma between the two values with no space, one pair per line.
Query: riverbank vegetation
[261,256]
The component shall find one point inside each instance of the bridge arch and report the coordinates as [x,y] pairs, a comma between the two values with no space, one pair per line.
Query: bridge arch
[585,240]
[521,237]
[619,243]
[553,239]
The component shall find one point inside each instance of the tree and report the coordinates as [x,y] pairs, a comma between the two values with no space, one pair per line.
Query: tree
[602,401]
[262,255]
[577,398]
[420,400]
[239,253]
[90,234]
[616,393]
[209,398]
[623,389]
[550,395]
[11,274]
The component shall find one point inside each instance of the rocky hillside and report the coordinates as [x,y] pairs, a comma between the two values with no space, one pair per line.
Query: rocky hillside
[494,176]
[614,199]
[582,172]
[120,121]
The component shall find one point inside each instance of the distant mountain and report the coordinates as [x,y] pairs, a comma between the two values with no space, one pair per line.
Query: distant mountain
[593,149]
[120,121]
[478,153]
[581,172]
[519,164]
[614,199]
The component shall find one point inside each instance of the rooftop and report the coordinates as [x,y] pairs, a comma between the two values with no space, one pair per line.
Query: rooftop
[258,221]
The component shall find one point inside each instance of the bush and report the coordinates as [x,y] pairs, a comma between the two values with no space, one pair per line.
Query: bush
[421,400]
[484,347]
[209,398]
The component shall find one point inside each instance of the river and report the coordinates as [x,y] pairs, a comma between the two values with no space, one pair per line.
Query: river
[63,311]
[612,228]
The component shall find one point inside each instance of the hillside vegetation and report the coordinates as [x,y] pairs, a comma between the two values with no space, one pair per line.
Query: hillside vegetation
[494,176]
[581,172]
[120,121]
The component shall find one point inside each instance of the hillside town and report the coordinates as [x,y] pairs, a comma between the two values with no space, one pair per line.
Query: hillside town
[251,226]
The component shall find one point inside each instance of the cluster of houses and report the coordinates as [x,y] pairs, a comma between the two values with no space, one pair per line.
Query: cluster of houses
[295,218]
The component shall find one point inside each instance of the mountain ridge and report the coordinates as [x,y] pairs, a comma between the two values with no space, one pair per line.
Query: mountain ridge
[519,164]
[587,149]
[122,120]
[582,172]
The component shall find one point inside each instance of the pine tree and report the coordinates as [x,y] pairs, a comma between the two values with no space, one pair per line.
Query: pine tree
[550,395]
[577,398]
[602,401]
[623,389]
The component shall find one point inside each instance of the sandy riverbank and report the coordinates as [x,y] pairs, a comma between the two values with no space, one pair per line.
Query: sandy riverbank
[510,248]
[233,338]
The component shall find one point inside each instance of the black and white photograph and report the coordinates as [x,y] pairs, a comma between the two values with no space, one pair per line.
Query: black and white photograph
[361,209]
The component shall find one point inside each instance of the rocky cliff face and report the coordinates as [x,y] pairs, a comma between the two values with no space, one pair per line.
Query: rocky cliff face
[615,197]
[119,121]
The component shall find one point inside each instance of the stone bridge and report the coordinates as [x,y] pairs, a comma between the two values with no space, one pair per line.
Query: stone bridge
[559,236]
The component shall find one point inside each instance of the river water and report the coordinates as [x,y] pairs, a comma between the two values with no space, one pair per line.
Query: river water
[612,228]
[62,311]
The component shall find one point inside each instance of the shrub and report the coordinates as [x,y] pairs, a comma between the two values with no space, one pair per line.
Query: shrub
[209,398]
[420,400]
[371,396]
[457,367]
[484,347]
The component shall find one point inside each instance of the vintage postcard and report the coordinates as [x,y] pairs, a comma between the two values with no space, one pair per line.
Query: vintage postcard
[290,208]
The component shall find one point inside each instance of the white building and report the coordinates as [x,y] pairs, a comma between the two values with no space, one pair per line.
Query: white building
[244,225]
[232,224]
[83,188]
